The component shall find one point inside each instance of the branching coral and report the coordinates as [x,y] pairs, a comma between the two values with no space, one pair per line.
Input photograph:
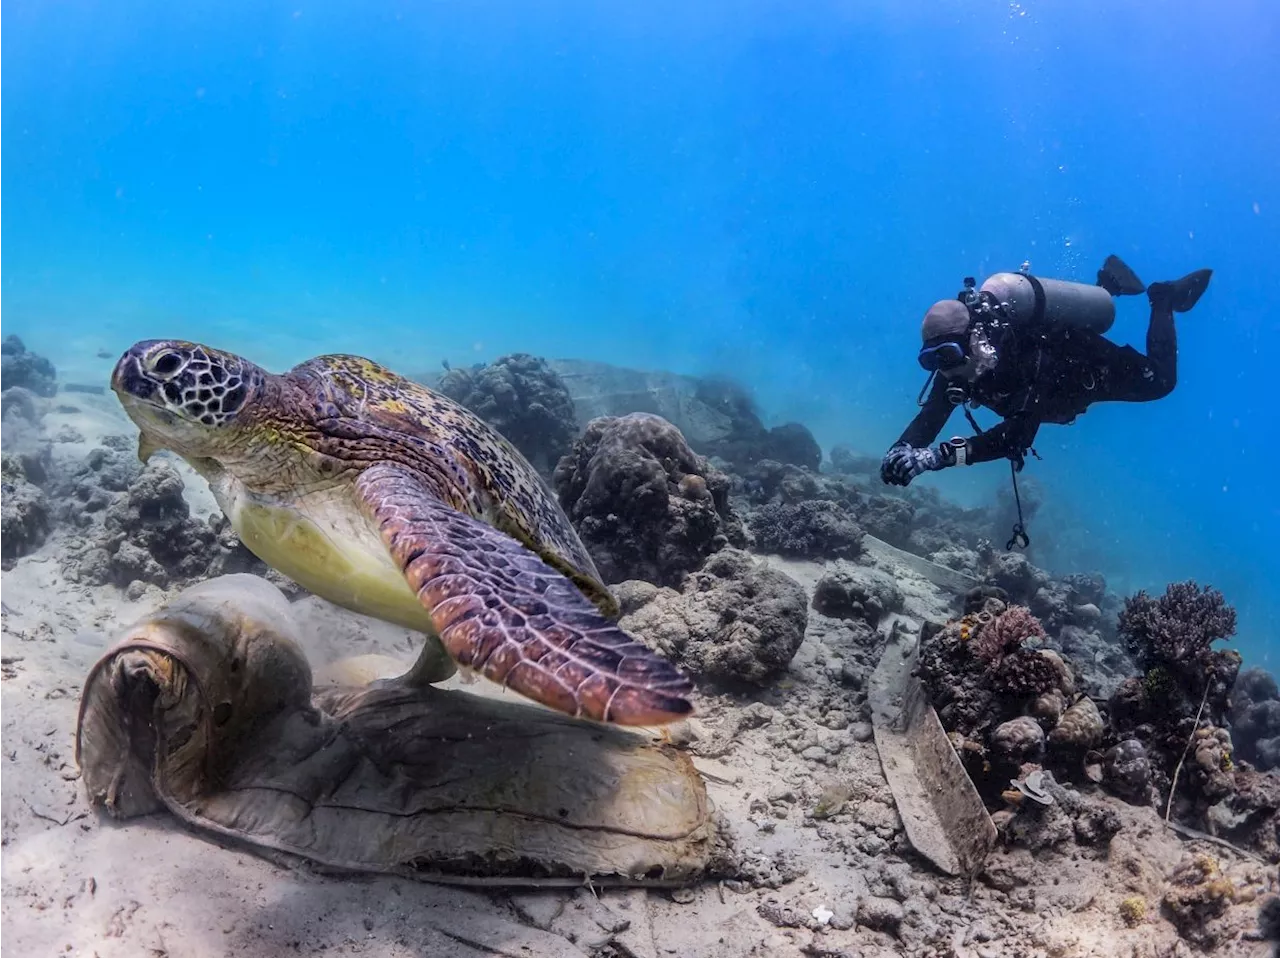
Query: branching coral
[978,672]
[1023,673]
[1007,631]
[1177,628]
[1171,639]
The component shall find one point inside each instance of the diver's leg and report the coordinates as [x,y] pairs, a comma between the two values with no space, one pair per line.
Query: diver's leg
[1162,352]
[1122,374]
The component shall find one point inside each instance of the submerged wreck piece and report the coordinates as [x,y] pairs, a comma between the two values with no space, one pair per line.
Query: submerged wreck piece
[206,708]
[940,808]
[939,575]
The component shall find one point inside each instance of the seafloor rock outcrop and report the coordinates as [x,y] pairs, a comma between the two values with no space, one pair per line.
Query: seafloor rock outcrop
[19,367]
[769,481]
[850,462]
[24,511]
[23,435]
[813,529]
[888,518]
[733,401]
[734,620]
[1078,600]
[938,523]
[85,490]
[146,533]
[847,591]
[791,443]
[523,398]
[645,504]
[1255,718]
[748,441]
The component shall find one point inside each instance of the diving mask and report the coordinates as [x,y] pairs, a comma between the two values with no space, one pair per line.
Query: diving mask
[943,356]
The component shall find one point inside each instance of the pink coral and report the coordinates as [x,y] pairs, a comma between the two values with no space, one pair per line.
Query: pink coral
[1005,632]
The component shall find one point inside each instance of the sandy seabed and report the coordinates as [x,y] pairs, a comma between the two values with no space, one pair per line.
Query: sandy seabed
[841,885]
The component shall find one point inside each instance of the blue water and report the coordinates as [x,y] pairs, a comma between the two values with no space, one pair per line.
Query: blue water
[775,190]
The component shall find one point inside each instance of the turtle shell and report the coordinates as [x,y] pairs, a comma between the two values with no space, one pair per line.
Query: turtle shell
[479,472]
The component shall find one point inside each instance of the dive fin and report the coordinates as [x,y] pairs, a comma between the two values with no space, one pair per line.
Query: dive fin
[1180,294]
[1118,279]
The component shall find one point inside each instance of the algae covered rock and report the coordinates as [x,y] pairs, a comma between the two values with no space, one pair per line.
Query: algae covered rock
[523,398]
[734,620]
[1198,895]
[1255,718]
[146,533]
[814,529]
[847,591]
[645,505]
[24,513]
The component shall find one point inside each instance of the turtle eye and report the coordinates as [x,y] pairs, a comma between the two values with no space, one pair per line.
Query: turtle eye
[166,363]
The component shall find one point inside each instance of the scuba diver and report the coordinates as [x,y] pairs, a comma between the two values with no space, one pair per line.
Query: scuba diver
[1032,350]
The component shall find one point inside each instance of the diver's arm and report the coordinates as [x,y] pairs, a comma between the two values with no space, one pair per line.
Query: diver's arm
[1009,440]
[933,415]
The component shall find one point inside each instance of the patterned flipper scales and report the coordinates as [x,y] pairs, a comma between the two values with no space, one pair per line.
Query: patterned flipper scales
[500,610]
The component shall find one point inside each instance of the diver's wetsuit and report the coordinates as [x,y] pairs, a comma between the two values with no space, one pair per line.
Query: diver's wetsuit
[1053,378]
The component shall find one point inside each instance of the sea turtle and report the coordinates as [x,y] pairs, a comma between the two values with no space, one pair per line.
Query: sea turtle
[392,500]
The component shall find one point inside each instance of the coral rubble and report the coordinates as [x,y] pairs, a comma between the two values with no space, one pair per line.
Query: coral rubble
[733,620]
[144,534]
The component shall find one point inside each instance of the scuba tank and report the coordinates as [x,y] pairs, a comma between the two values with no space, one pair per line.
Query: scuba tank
[1021,300]
[1029,300]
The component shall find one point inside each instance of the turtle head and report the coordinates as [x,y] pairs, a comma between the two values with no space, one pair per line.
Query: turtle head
[184,396]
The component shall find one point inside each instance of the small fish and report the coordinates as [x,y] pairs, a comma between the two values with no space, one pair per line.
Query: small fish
[105,354]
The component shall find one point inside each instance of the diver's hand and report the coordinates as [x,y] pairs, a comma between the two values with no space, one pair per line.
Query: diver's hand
[902,463]
[891,465]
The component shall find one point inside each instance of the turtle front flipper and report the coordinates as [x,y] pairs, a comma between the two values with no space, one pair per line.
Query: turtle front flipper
[499,609]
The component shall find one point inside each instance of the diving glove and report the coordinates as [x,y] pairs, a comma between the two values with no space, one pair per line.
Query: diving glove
[903,462]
